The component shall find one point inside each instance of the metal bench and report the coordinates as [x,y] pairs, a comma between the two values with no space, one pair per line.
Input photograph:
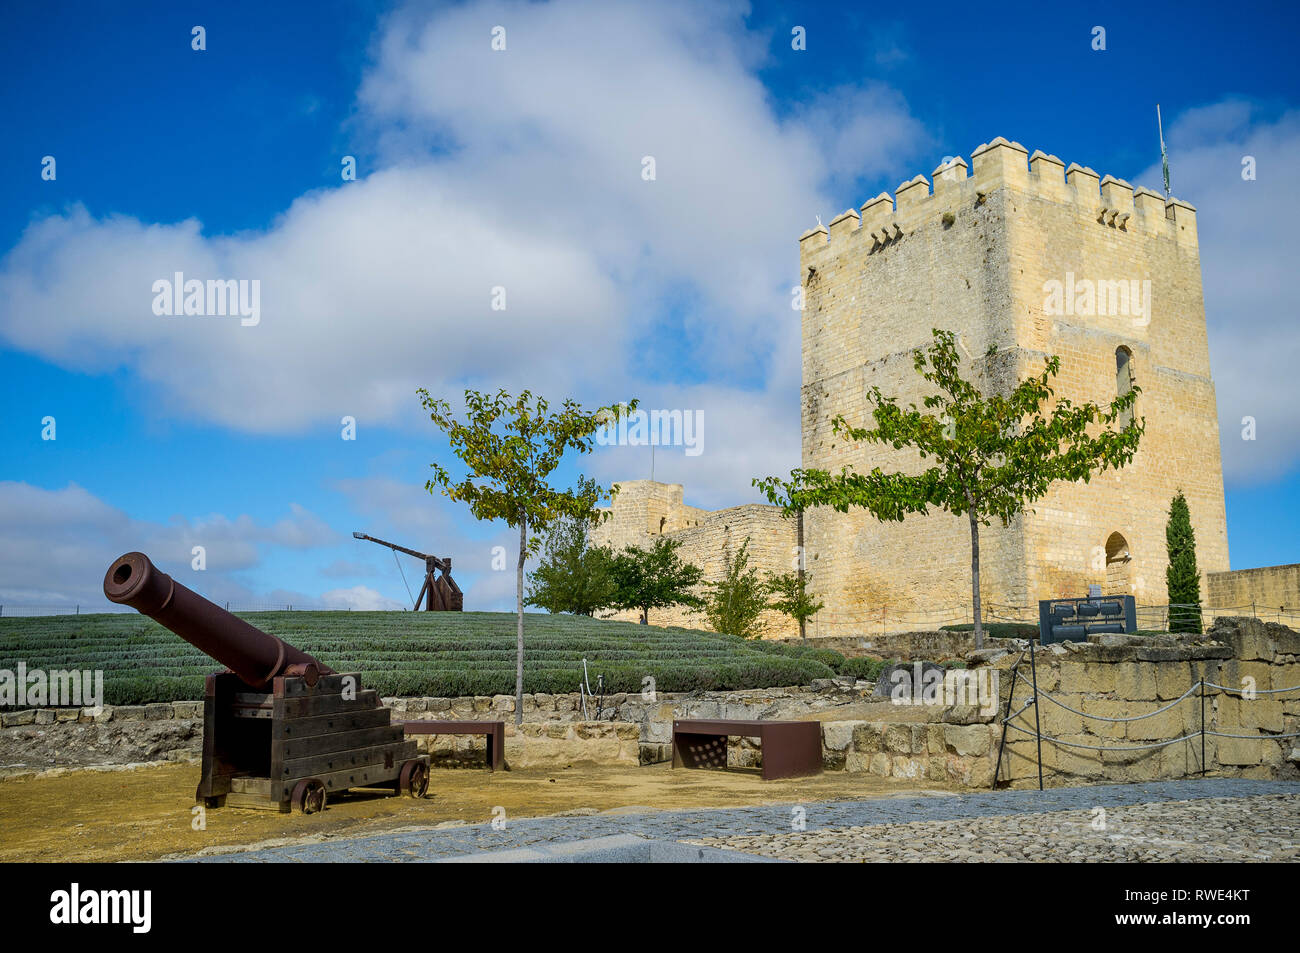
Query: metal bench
[791,749]
[494,730]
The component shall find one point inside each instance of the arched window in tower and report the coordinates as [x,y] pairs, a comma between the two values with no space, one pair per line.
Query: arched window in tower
[1124,379]
[1118,560]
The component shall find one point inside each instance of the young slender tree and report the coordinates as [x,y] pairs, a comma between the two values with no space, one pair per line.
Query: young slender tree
[510,447]
[993,454]
[573,576]
[735,603]
[1182,577]
[655,578]
[792,598]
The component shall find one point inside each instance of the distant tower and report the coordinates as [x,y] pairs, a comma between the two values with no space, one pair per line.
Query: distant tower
[1028,259]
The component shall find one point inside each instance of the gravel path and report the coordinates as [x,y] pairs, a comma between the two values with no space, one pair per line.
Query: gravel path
[1261,828]
[1017,815]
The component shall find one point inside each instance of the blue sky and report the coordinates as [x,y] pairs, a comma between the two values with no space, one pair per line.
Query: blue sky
[522,169]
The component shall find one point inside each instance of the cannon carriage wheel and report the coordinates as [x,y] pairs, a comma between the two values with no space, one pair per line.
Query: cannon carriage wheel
[414,779]
[309,796]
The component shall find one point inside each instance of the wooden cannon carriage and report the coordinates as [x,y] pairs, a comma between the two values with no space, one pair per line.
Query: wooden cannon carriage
[280,729]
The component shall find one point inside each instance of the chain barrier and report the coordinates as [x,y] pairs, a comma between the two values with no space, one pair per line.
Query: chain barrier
[1198,686]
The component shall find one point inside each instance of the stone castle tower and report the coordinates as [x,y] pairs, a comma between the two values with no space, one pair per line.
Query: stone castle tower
[1022,259]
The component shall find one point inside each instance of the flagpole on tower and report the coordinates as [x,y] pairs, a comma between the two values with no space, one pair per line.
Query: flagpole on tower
[1164,156]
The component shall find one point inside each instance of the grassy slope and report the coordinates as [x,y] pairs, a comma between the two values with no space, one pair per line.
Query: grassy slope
[469,653]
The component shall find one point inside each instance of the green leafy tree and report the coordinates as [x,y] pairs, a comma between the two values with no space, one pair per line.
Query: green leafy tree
[736,602]
[655,578]
[1182,577]
[792,597]
[993,454]
[510,446]
[573,576]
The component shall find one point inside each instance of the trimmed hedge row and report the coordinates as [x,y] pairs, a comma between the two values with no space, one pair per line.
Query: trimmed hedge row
[434,654]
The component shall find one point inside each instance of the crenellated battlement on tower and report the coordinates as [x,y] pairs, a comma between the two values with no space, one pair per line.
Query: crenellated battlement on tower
[1109,201]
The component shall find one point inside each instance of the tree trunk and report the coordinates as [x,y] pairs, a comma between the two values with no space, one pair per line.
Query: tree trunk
[975,577]
[519,607]
[803,632]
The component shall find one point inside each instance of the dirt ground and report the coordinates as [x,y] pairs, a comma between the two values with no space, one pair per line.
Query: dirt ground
[146,813]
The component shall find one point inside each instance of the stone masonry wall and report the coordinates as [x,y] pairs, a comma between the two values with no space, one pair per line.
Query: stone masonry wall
[1270,588]
[643,510]
[1125,676]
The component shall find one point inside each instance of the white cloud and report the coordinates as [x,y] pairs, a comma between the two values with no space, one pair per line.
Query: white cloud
[55,546]
[361,598]
[1247,262]
[520,169]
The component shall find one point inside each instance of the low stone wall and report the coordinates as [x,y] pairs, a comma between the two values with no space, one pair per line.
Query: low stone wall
[542,745]
[159,711]
[1121,677]
[941,753]
[652,716]
[932,646]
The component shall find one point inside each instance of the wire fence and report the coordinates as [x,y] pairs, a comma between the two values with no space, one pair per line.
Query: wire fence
[1197,692]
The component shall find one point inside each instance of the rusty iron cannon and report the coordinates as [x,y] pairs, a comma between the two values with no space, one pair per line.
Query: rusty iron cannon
[281,730]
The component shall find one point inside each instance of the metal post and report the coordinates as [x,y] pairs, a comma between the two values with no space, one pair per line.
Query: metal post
[1202,722]
[997,768]
[1038,731]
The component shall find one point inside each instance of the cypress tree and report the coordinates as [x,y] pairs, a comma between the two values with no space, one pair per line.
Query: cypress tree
[1182,578]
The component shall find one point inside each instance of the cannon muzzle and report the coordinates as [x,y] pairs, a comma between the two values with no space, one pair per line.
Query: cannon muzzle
[255,656]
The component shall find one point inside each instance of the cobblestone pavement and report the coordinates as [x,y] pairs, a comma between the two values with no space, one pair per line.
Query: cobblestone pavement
[1261,828]
[1016,814]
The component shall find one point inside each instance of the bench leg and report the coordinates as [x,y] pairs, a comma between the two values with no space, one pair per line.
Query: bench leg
[792,751]
[496,748]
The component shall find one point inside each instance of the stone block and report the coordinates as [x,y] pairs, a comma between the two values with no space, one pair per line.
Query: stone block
[868,736]
[1056,721]
[837,735]
[898,738]
[936,743]
[190,710]
[1173,679]
[967,740]
[1238,751]
[1087,678]
[1263,712]
[1106,708]
[1135,681]
[1161,727]
[920,739]
[44,716]
[908,768]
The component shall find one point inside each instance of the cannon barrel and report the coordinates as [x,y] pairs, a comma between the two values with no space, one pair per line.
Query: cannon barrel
[255,656]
